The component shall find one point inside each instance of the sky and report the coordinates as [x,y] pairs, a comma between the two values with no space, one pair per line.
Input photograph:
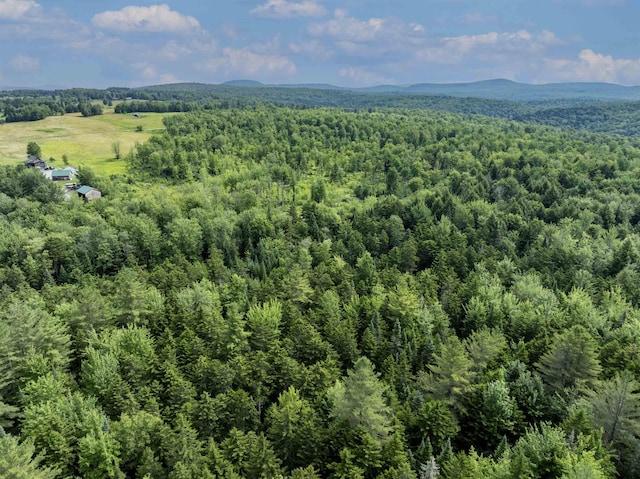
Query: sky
[95,43]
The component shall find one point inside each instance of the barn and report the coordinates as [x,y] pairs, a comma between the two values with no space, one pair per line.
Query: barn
[88,193]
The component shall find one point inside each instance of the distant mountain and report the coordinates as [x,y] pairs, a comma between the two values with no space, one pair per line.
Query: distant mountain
[597,107]
[27,88]
[244,83]
[383,89]
[13,88]
[498,89]
[501,89]
[311,86]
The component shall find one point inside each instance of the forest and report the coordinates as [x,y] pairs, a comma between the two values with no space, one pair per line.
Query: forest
[278,292]
[599,108]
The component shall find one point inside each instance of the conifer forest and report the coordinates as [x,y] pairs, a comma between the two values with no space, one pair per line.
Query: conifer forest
[285,288]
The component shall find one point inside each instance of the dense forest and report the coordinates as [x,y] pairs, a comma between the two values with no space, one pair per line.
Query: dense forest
[617,118]
[602,109]
[309,293]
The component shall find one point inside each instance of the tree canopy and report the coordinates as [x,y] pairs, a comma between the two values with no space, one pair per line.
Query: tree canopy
[315,292]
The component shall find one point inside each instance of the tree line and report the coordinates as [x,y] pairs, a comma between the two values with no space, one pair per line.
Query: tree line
[611,117]
[29,109]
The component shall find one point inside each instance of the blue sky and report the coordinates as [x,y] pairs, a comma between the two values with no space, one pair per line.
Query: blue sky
[93,43]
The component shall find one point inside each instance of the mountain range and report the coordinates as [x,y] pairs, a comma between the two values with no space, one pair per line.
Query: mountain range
[498,89]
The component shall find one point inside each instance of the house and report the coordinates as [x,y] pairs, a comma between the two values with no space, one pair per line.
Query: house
[88,193]
[35,162]
[63,175]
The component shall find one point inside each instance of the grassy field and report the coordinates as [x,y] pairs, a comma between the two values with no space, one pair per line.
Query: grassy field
[85,141]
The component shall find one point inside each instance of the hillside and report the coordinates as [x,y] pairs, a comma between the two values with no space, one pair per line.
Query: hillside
[310,293]
[84,141]
[592,107]
[498,89]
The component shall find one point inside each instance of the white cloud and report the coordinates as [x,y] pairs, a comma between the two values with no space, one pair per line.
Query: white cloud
[247,62]
[55,34]
[24,64]
[490,47]
[16,9]
[358,76]
[169,78]
[147,74]
[373,38]
[592,66]
[48,27]
[155,18]
[346,28]
[173,50]
[230,31]
[146,71]
[312,49]
[393,45]
[282,9]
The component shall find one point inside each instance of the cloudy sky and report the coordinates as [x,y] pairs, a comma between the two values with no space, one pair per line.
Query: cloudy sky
[94,43]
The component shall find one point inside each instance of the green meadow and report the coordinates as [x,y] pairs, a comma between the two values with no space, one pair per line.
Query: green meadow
[85,141]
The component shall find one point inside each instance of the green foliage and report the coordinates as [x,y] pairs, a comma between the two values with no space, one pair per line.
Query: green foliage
[327,293]
[436,423]
[31,342]
[572,361]
[293,429]
[70,431]
[33,149]
[497,413]
[264,324]
[452,374]
[17,460]
[544,452]
[359,400]
[252,455]
[90,109]
[615,408]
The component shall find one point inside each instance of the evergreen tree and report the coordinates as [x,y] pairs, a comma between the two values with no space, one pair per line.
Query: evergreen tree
[359,400]
[615,405]
[252,455]
[572,361]
[452,374]
[18,460]
[293,429]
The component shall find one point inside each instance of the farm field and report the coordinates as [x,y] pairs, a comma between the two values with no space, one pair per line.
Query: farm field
[85,141]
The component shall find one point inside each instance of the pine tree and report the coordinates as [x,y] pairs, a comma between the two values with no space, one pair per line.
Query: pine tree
[497,413]
[293,427]
[7,414]
[17,460]
[430,470]
[264,324]
[252,455]
[98,456]
[572,361]
[616,407]
[29,336]
[359,400]
[452,374]
[346,469]
[436,423]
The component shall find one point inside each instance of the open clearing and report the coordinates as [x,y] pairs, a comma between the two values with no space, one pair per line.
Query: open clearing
[85,141]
